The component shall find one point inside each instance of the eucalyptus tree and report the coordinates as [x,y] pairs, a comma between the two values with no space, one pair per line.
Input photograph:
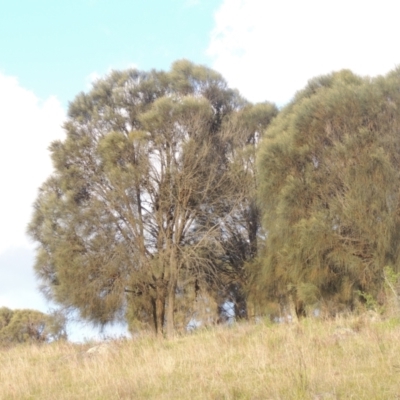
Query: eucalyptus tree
[330,190]
[129,222]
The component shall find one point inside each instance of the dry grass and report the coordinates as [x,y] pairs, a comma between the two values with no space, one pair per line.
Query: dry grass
[341,359]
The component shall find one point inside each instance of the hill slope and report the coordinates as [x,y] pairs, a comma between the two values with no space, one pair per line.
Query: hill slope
[341,359]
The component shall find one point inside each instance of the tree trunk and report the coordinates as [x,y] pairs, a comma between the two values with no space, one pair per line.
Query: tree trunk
[251,312]
[172,284]
[253,223]
[292,309]
[159,309]
[297,308]
[170,324]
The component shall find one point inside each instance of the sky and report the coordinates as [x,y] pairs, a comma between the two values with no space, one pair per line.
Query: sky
[52,50]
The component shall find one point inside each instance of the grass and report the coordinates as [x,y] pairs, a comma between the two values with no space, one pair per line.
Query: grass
[352,358]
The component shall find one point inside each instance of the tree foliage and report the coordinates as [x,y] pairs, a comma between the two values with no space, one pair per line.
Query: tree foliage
[153,213]
[30,326]
[330,191]
[243,235]
[131,223]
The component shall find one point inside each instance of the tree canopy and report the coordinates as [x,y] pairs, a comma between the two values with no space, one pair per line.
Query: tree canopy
[30,326]
[136,219]
[172,196]
[329,191]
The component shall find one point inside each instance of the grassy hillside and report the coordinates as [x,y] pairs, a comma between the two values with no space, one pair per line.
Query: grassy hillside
[353,358]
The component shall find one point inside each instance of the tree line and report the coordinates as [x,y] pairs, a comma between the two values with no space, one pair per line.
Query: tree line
[172,197]
[30,326]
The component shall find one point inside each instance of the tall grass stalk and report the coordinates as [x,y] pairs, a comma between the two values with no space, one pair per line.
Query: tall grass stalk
[353,358]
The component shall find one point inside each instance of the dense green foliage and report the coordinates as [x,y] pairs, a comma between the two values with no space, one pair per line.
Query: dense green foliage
[329,192]
[21,326]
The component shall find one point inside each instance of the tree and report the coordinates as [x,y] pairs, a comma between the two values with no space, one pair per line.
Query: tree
[329,192]
[242,233]
[129,222]
[21,326]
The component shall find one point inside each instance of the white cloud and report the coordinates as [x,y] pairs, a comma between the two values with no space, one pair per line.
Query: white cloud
[269,49]
[27,127]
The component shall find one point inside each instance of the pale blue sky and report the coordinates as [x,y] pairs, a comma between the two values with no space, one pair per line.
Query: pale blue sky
[53,46]
[51,49]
